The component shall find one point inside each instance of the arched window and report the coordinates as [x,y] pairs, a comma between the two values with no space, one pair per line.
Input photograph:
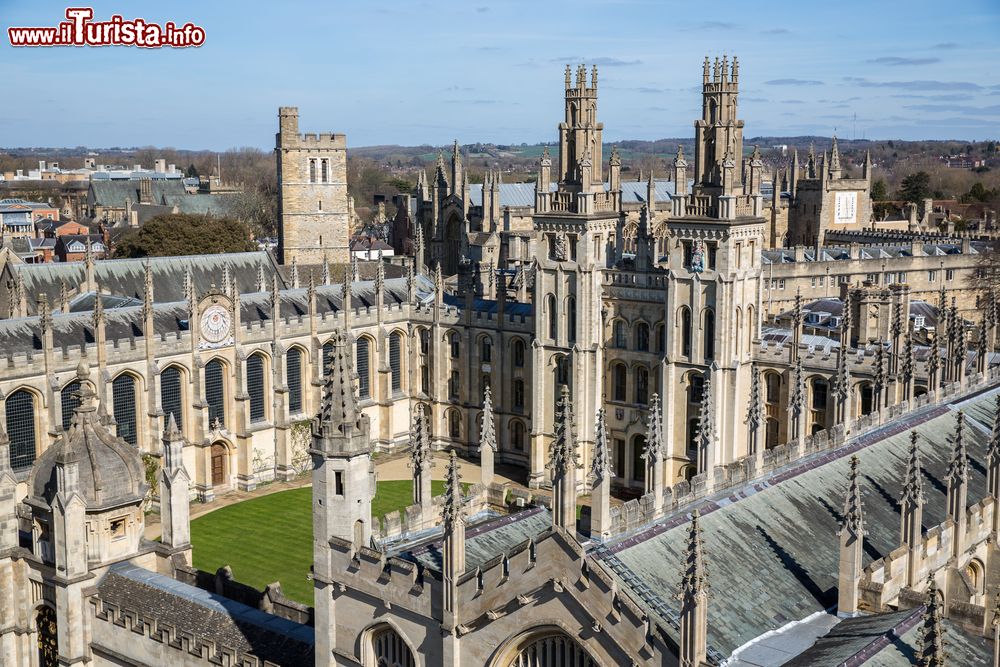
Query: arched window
[327,357]
[517,394]
[361,362]
[48,637]
[21,429]
[486,349]
[709,335]
[456,345]
[562,370]
[819,394]
[517,435]
[396,361]
[518,349]
[618,329]
[619,381]
[571,318]
[70,397]
[550,312]
[771,433]
[255,387]
[389,649]
[696,388]
[425,341]
[772,382]
[641,385]
[692,437]
[454,424]
[171,396]
[638,463]
[551,648]
[123,404]
[867,399]
[215,392]
[642,337]
[293,378]
[685,332]
[454,380]
[661,338]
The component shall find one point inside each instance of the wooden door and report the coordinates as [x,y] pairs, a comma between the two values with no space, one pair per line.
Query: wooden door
[218,464]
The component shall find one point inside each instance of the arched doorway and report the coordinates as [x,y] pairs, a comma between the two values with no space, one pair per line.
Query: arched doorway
[390,650]
[48,637]
[220,464]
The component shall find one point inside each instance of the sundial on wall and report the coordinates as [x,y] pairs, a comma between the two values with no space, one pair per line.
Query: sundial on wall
[216,322]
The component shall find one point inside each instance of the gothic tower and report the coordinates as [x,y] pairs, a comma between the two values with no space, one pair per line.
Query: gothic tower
[343,485]
[712,298]
[313,218]
[574,242]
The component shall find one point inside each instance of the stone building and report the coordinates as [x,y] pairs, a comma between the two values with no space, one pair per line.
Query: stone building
[630,342]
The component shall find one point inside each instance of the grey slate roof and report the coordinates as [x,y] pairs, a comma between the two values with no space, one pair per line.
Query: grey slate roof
[523,194]
[486,540]
[787,255]
[125,277]
[772,547]
[207,616]
[114,193]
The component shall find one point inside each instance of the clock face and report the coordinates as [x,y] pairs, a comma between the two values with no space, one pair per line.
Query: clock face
[215,323]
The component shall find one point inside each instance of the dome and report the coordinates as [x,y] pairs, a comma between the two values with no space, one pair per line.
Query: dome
[111,471]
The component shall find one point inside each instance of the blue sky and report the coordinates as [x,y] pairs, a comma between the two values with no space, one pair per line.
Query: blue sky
[432,71]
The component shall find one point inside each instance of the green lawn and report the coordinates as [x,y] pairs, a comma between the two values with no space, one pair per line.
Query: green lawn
[270,538]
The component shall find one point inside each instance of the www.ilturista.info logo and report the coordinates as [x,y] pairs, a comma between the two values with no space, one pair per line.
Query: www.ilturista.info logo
[80,30]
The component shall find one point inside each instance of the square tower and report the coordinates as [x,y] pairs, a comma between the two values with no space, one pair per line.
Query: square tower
[313,217]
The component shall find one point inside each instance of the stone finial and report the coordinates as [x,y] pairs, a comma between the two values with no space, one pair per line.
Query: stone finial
[930,652]
[295,273]
[705,70]
[679,158]
[879,379]
[616,158]
[325,270]
[908,363]
[896,326]
[934,360]
[355,268]
[488,433]
[420,442]
[97,317]
[654,449]
[706,420]
[601,466]
[379,276]
[835,156]
[993,456]
[44,313]
[563,454]
[226,280]
[842,380]
[797,311]
[451,512]
[958,465]
[63,296]
[755,415]
[913,486]
[261,279]
[847,323]
[853,522]
[339,411]
[796,401]
[438,279]
[694,578]
[275,296]
[569,77]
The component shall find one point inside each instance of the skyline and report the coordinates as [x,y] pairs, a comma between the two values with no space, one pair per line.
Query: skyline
[480,76]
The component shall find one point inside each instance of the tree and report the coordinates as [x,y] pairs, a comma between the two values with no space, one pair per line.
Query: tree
[915,187]
[879,190]
[181,234]
[192,171]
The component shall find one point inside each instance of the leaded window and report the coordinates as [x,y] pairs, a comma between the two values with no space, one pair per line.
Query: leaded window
[255,388]
[518,353]
[518,394]
[21,429]
[123,402]
[395,362]
[215,393]
[364,379]
[327,358]
[293,378]
[70,396]
[170,396]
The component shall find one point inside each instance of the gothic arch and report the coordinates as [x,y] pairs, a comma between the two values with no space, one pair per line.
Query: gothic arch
[550,645]
[385,645]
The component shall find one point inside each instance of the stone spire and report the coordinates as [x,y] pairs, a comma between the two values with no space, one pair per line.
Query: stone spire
[852,533]
[931,646]
[879,380]
[562,463]
[907,366]
[421,460]
[602,474]
[340,428]
[706,427]
[933,365]
[694,600]
[912,510]
[487,439]
[957,480]
[325,270]
[653,453]
[847,323]
[755,414]
[796,405]
[175,483]
[842,388]
[835,169]
[453,556]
